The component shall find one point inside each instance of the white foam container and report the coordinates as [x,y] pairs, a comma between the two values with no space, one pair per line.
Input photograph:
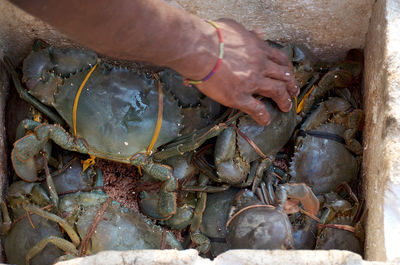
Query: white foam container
[329,28]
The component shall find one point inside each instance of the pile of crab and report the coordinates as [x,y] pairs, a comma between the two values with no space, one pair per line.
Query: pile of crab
[219,180]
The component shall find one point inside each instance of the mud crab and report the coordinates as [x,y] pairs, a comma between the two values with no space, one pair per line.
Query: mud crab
[20,235]
[255,225]
[245,141]
[119,229]
[245,144]
[304,231]
[341,224]
[116,114]
[214,219]
[326,150]
[239,219]
[191,200]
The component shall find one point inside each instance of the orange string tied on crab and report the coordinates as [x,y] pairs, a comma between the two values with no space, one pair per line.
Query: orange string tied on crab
[90,161]
[300,105]
[157,129]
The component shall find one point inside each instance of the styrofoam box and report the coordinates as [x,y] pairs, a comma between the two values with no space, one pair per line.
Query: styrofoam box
[329,28]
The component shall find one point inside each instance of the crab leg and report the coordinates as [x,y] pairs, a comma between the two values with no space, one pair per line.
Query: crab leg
[353,124]
[50,183]
[52,217]
[192,141]
[61,243]
[26,148]
[335,78]
[202,242]
[206,170]
[24,126]
[167,201]
[6,224]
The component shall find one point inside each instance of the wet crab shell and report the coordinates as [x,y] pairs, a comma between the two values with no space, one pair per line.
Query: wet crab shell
[332,238]
[22,237]
[120,228]
[321,163]
[260,228]
[271,138]
[117,111]
[233,151]
[215,217]
[304,232]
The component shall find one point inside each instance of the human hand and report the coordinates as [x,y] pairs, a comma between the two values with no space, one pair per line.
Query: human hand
[250,67]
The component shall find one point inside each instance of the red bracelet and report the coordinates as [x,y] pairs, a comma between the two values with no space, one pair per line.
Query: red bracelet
[189,82]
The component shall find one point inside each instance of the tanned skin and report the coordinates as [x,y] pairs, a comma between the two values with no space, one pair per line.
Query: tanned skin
[152,31]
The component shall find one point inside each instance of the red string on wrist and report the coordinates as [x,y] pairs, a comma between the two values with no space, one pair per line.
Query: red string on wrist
[189,82]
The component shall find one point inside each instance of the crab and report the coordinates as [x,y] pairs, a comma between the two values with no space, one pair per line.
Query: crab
[115,117]
[304,231]
[253,224]
[191,200]
[341,226]
[241,219]
[234,148]
[20,234]
[246,147]
[246,142]
[215,216]
[339,76]
[326,151]
[119,229]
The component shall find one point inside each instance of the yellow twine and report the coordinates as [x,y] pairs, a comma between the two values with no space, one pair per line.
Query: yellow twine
[90,161]
[159,120]
[78,95]
[301,104]
[159,117]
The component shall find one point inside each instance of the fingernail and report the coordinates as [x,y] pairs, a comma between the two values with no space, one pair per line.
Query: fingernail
[291,105]
[264,121]
[297,89]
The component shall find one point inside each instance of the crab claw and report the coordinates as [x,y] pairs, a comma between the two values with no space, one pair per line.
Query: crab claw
[26,170]
[167,196]
[301,192]
[25,157]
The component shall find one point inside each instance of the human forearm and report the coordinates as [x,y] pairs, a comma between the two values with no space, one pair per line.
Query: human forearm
[158,34]
[152,31]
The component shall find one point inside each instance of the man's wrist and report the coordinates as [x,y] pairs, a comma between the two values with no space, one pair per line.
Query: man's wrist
[198,55]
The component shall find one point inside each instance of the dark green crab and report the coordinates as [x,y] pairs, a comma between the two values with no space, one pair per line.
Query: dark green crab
[115,118]
[120,228]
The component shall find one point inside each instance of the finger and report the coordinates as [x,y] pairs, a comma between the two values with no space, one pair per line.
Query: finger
[255,108]
[276,90]
[283,73]
[295,91]
[278,56]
